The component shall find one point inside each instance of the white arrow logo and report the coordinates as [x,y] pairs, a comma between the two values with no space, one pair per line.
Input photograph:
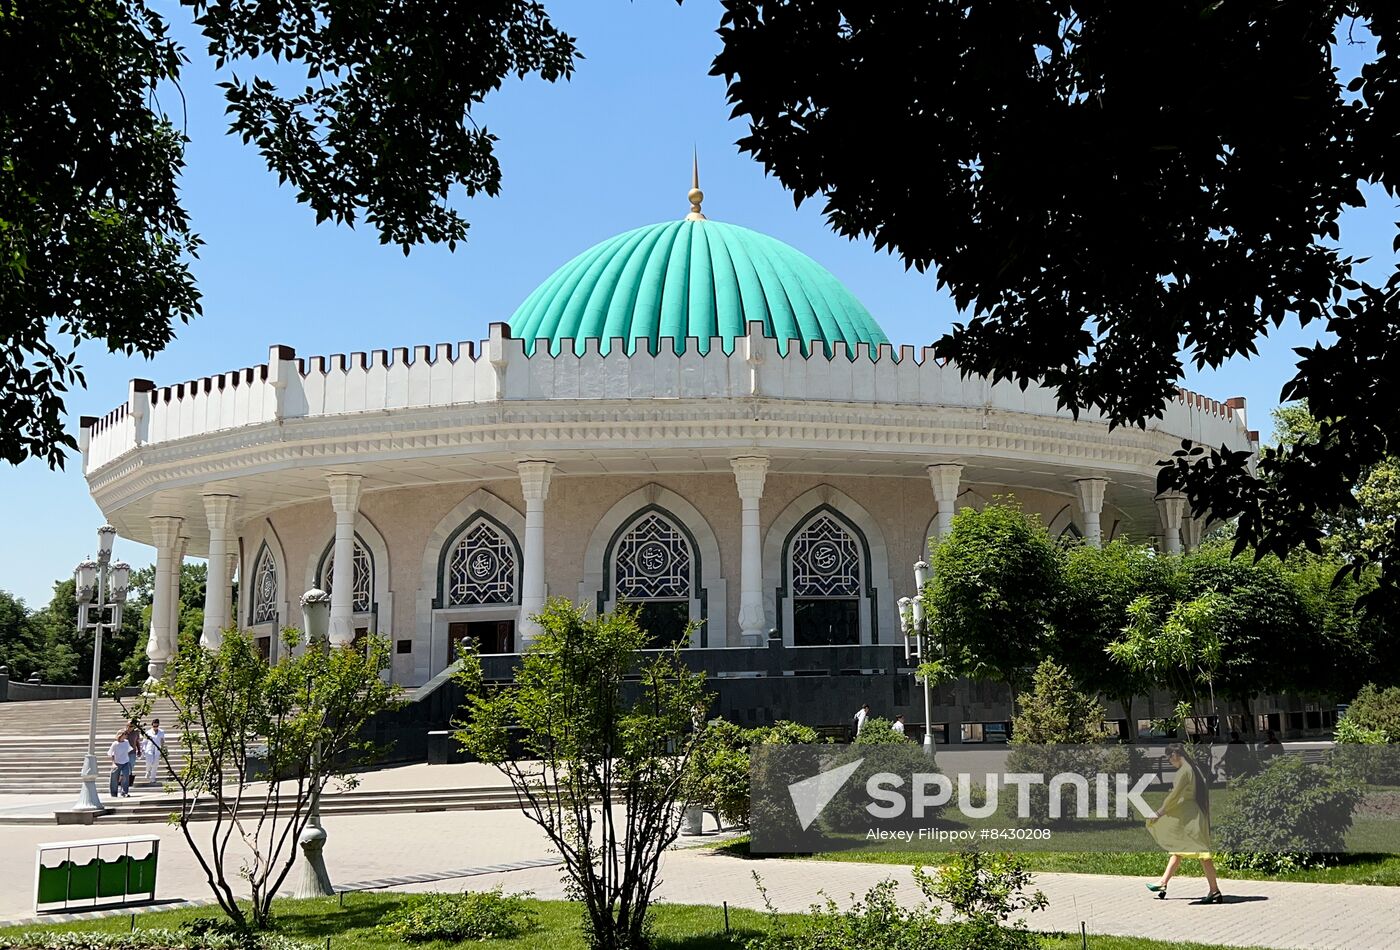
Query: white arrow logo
[811,795]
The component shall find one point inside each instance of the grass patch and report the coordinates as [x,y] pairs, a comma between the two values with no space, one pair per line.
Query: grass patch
[677,927]
[1379,869]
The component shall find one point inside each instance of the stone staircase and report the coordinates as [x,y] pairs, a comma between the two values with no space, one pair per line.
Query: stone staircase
[42,744]
[354,802]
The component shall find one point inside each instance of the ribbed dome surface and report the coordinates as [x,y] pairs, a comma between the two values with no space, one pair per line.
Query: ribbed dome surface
[699,279]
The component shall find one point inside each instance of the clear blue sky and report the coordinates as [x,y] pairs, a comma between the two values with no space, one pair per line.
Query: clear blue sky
[582,161]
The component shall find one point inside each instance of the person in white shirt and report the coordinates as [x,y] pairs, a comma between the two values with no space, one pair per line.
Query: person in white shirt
[150,749]
[120,754]
[898,725]
[862,714]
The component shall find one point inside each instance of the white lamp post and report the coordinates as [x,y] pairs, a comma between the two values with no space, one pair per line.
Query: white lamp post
[920,624]
[100,586]
[314,880]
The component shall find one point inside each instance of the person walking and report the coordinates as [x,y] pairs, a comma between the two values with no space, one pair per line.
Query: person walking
[898,724]
[1182,825]
[150,750]
[120,754]
[862,714]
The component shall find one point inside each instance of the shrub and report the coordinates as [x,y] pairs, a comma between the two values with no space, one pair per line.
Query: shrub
[147,940]
[1368,736]
[1291,815]
[984,891]
[720,776]
[881,749]
[475,915]
[982,887]
[1377,709]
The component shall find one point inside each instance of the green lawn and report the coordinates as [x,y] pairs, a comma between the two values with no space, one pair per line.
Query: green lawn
[677,927]
[1352,869]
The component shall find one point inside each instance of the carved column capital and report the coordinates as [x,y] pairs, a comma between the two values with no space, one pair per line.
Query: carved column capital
[218,511]
[165,532]
[750,474]
[534,478]
[945,478]
[345,492]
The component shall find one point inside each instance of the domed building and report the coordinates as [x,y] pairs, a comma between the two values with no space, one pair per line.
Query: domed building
[691,417]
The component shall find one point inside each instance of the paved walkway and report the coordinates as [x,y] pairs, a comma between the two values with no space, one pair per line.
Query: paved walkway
[365,848]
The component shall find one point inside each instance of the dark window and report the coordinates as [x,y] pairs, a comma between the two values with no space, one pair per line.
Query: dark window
[488,636]
[404,646]
[664,621]
[1295,720]
[1314,719]
[825,622]
[265,648]
[915,731]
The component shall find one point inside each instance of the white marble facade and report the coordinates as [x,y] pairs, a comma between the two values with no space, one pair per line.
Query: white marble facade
[747,490]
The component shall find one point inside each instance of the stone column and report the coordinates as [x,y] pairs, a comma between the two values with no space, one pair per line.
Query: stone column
[218,509]
[1191,531]
[1089,492]
[945,479]
[750,474]
[345,499]
[165,532]
[534,483]
[177,558]
[1171,506]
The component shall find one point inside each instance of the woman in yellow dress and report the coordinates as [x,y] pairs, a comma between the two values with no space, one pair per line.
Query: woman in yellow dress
[1182,825]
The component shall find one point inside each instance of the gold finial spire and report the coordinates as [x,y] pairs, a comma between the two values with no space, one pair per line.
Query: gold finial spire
[696,195]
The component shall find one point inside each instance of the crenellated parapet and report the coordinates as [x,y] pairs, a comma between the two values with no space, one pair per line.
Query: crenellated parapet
[499,369]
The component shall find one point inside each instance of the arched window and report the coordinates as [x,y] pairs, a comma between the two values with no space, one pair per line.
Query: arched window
[653,567]
[264,591]
[1071,534]
[362,590]
[481,568]
[478,587]
[826,572]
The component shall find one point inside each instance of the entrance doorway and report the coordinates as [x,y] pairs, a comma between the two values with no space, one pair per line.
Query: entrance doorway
[488,636]
[825,622]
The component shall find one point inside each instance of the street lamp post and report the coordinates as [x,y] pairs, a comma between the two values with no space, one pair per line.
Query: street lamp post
[314,879]
[109,583]
[914,625]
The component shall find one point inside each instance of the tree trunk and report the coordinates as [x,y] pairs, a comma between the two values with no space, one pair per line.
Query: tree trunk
[1127,703]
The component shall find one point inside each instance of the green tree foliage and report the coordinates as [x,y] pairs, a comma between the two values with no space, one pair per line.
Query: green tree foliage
[991,599]
[22,641]
[1118,188]
[70,652]
[1099,586]
[241,720]
[1053,711]
[94,242]
[1355,532]
[1054,732]
[66,657]
[597,740]
[1176,644]
[1269,639]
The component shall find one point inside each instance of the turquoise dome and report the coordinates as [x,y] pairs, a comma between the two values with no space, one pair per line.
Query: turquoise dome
[693,278]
